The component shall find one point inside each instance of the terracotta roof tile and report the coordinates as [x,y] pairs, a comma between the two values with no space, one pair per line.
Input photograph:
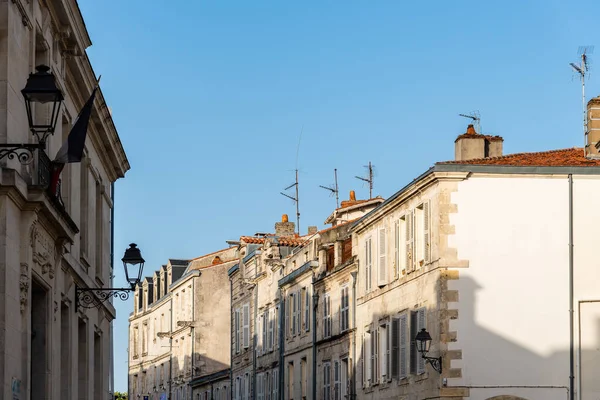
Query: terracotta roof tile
[572,157]
[283,240]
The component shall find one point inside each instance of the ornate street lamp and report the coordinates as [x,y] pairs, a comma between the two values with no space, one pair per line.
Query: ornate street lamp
[133,263]
[40,88]
[423,342]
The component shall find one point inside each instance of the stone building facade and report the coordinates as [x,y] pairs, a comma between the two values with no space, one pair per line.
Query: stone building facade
[177,328]
[51,244]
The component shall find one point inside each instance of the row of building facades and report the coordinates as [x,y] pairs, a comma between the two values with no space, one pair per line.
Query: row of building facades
[489,253]
[53,243]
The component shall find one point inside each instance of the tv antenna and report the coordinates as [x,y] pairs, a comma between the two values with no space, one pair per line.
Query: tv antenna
[582,69]
[296,199]
[476,117]
[369,180]
[333,189]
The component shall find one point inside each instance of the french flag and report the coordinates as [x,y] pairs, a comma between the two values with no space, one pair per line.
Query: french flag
[72,150]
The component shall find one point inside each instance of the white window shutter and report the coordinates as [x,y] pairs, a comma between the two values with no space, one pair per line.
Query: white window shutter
[246,325]
[395,347]
[336,380]
[396,249]
[299,312]
[404,343]
[288,311]
[382,275]
[307,311]
[426,233]
[409,242]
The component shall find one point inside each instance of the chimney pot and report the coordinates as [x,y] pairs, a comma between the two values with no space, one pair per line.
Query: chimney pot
[352,195]
[284,218]
[471,130]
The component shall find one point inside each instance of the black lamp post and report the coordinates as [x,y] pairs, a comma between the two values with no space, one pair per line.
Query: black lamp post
[40,88]
[423,342]
[133,263]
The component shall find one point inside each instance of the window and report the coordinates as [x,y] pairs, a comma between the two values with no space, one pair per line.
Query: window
[260,393]
[409,242]
[290,379]
[326,315]
[270,330]
[275,375]
[336,380]
[306,310]
[366,361]
[399,345]
[84,205]
[326,381]
[237,392]
[374,356]
[145,338]
[246,390]
[344,379]
[99,229]
[136,334]
[303,377]
[268,386]
[236,330]
[344,310]
[265,331]
[368,263]
[382,265]
[246,327]
[384,351]
[417,322]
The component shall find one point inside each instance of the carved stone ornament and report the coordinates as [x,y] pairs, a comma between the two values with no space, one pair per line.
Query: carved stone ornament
[44,251]
[24,286]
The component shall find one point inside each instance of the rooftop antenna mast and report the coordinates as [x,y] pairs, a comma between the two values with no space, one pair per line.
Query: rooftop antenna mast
[369,180]
[334,189]
[476,117]
[296,199]
[582,69]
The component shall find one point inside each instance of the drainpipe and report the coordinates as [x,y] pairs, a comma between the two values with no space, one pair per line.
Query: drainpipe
[112,264]
[254,341]
[315,296]
[353,383]
[281,344]
[231,327]
[171,351]
[571,311]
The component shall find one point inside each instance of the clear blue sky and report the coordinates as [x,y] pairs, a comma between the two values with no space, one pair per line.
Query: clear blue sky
[209,99]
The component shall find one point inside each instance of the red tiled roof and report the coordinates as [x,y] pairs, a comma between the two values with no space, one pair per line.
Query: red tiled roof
[572,157]
[338,225]
[283,240]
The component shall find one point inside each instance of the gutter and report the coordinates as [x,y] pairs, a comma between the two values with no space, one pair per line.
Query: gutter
[112,265]
[254,341]
[571,311]
[231,327]
[353,383]
[315,298]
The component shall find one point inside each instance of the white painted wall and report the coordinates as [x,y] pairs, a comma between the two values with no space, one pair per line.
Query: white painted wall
[513,325]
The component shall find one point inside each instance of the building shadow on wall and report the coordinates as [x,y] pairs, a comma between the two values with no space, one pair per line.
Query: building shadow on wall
[158,380]
[506,366]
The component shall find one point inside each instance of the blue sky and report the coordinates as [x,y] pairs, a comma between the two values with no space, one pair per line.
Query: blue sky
[210,98]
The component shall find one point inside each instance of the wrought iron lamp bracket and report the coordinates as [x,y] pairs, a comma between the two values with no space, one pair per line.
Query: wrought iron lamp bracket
[436,362]
[22,152]
[94,298]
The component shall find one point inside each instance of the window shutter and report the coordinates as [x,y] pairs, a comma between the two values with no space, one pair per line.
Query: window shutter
[388,350]
[265,331]
[367,266]
[336,380]
[288,311]
[426,233]
[369,355]
[382,278]
[364,357]
[298,311]
[421,325]
[275,384]
[413,345]
[271,328]
[396,249]
[307,311]
[403,345]
[395,359]
[246,325]
[409,241]
[259,335]
[237,330]
[276,328]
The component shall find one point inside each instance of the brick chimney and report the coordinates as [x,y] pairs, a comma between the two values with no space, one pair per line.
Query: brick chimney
[592,141]
[472,145]
[284,228]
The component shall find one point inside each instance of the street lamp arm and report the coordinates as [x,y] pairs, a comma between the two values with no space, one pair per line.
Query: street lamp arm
[436,362]
[94,297]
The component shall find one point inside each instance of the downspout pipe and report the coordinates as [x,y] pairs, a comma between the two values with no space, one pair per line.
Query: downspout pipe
[171,352]
[254,341]
[315,297]
[231,335]
[282,329]
[112,265]
[353,383]
[571,295]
